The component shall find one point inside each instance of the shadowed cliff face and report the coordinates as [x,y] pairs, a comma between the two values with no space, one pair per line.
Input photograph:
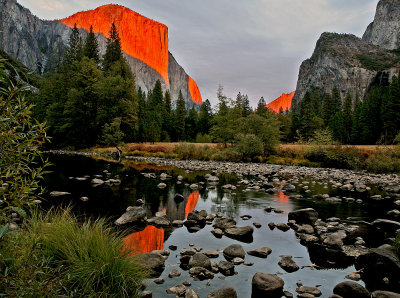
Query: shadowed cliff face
[151,238]
[142,38]
[283,102]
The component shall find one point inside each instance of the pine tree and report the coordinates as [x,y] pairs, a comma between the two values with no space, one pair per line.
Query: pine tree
[306,116]
[113,49]
[74,49]
[91,47]
[167,125]
[262,109]
[390,113]
[191,124]
[223,101]
[205,116]
[347,117]
[180,117]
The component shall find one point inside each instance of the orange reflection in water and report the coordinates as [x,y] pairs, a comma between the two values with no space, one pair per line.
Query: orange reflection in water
[191,202]
[144,241]
[282,197]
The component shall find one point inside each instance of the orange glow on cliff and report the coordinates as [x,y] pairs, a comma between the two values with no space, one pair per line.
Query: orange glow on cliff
[142,38]
[284,102]
[145,241]
[191,202]
[194,92]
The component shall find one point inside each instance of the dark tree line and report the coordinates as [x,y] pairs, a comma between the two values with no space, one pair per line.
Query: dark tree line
[376,120]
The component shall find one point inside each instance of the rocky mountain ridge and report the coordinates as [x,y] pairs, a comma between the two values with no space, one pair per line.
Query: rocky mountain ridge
[352,64]
[39,44]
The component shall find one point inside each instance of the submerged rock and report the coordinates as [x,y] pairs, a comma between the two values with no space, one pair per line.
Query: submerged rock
[226,292]
[351,289]
[267,285]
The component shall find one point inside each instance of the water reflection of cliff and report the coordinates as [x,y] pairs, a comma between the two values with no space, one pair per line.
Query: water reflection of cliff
[191,202]
[151,238]
[180,210]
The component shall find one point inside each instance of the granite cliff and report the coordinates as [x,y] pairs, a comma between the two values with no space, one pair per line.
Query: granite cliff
[39,44]
[353,64]
[284,102]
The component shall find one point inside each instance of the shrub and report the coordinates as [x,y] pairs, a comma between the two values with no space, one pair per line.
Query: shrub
[384,161]
[397,244]
[112,134]
[184,150]
[21,163]
[336,157]
[55,255]
[200,138]
[323,137]
[249,145]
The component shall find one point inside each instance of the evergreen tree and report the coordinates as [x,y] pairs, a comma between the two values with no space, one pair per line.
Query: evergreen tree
[191,125]
[391,110]
[327,108]
[74,49]
[337,127]
[262,109]
[347,117]
[246,109]
[113,49]
[205,117]
[168,123]
[141,135]
[180,116]
[306,116]
[91,47]
[223,101]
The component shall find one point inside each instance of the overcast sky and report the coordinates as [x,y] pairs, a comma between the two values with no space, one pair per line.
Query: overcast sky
[253,46]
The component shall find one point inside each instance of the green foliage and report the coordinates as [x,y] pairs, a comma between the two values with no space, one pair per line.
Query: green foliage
[56,255]
[112,134]
[397,244]
[91,47]
[74,49]
[21,163]
[113,49]
[180,115]
[385,161]
[322,137]
[337,157]
[249,145]
[379,61]
[200,138]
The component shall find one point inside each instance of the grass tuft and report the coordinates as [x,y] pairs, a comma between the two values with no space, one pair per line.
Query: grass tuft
[55,254]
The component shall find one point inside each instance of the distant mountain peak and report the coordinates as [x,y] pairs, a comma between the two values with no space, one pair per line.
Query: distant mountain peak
[284,102]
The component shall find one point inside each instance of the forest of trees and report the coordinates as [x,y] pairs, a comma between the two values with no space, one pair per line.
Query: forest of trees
[92,100]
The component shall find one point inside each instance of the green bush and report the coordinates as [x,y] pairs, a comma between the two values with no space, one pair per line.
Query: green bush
[55,255]
[200,138]
[397,244]
[336,157]
[184,150]
[385,161]
[249,145]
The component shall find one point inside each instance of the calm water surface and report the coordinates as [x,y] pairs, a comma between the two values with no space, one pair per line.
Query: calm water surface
[111,201]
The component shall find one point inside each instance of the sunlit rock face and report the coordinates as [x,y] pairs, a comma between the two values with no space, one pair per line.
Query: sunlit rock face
[142,38]
[191,202]
[40,44]
[151,238]
[194,91]
[284,102]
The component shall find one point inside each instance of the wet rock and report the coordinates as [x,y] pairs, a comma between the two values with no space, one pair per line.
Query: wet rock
[60,194]
[200,260]
[262,252]
[315,292]
[159,221]
[247,263]
[162,185]
[272,225]
[353,276]
[201,273]
[278,211]
[381,268]
[304,216]
[217,233]
[224,223]
[240,233]
[287,264]
[266,285]
[234,251]
[306,229]
[139,202]
[335,239]
[174,273]
[153,263]
[226,292]
[351,289]
[178,198]
[188,252]
[283,227]
[84,199]
[212,254]
[146,294]
[194,186]
[159,281]
[246,217]
[257,225]
[287,294]
[387,227]
[134,215]
[191,294]
[307,239]
[385,294]
[177,223]
[226,268]
[178,290]
[237,261]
